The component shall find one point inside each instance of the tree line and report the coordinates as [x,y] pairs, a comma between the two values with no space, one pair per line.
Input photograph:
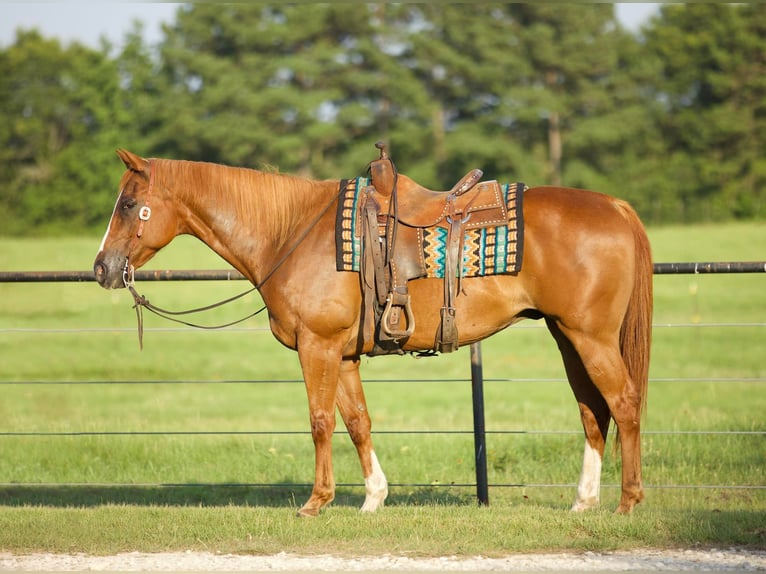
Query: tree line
[673,118]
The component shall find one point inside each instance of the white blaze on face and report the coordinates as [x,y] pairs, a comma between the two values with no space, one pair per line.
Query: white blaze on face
[109,227]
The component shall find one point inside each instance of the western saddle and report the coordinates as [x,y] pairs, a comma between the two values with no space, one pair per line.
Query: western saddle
[394,211]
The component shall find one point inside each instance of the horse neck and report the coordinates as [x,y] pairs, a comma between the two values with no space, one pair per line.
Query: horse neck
[246,216]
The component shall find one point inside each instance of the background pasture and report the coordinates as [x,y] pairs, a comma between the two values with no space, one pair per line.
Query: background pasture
[132,472]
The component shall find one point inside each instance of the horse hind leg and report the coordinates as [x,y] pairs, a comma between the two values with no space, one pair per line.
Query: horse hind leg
[604,389]
[353,409]
[595,417]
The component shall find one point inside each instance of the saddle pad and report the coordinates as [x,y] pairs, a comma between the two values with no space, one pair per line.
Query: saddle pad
[348,243]
[486,251]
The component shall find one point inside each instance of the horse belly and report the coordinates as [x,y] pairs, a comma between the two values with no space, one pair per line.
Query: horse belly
[484,306]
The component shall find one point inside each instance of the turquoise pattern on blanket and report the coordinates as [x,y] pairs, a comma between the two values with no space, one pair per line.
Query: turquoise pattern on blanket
[486,251]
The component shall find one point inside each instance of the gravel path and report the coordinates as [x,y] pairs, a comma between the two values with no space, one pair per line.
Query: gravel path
[731,560]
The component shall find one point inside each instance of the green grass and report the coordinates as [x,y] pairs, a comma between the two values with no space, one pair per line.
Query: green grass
[401,530]
[101,493]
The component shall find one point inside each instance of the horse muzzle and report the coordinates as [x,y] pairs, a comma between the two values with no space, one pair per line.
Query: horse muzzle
[109,272]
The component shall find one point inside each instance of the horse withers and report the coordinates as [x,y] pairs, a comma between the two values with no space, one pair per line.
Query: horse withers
[586,271]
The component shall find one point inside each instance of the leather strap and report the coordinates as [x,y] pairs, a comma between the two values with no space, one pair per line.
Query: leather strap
[146,212]
[447,335]
[373,246]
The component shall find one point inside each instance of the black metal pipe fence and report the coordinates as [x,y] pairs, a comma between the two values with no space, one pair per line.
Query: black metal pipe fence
[233,275]
[477,379]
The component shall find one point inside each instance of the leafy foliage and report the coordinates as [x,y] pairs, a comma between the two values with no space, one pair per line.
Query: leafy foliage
[672,119]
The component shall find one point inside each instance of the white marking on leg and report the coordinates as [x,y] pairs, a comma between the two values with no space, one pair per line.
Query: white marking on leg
[590,480]
[376,487]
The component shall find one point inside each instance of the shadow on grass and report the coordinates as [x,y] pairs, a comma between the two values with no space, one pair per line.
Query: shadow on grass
[285,495]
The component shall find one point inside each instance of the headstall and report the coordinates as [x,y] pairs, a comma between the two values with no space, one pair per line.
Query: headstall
[141,302]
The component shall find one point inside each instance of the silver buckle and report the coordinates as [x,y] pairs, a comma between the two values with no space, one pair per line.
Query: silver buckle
[145,213]
[128,273]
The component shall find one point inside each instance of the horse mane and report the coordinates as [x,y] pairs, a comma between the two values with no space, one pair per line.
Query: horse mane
[275,202]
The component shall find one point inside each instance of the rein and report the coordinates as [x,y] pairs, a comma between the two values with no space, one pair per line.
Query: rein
[142,302]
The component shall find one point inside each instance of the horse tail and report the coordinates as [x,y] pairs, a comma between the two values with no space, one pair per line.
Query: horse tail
[636,329]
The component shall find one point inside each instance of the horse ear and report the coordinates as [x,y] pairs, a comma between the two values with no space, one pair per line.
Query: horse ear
[133,162]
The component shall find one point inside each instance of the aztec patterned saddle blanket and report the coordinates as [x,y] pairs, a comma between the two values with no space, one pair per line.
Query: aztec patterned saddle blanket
[491,250]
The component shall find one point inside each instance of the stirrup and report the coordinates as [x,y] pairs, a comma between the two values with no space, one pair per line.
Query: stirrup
[397,334]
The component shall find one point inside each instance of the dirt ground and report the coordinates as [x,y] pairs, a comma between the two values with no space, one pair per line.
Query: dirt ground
[712,560]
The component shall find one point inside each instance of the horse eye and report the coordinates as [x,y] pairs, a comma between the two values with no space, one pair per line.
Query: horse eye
[128,203]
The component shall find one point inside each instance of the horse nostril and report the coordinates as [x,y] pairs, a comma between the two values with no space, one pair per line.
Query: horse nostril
[99,269]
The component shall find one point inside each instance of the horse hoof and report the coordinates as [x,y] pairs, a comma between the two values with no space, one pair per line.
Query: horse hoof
[626,507]
[584,505]
[307,513]
[628,502]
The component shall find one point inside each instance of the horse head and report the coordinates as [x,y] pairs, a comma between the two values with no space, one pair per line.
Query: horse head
[142,223]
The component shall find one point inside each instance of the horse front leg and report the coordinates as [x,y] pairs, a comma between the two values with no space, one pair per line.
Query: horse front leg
[320,362]
[353,409]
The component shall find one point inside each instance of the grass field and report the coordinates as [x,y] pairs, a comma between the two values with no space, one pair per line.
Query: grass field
[132,472]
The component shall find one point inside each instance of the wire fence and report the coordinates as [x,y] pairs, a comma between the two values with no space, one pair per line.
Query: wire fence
[660,268]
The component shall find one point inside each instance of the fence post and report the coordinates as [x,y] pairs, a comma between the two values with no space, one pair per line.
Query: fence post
[479,432]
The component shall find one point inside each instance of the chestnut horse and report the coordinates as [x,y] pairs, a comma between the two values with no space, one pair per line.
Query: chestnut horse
[587,271]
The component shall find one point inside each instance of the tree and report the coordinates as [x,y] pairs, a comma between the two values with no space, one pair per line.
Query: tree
[466,58]
[60,105]
[672,120]
[571,53]
[292,86]
[713,89]
[144,103]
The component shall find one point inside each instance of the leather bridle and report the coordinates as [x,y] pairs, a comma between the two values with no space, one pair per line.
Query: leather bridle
[144,214]
[141,302]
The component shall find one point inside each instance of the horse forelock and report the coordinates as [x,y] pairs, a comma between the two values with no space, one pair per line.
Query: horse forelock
[276,203]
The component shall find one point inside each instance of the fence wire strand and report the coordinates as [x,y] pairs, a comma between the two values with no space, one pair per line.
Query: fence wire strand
[659,268]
